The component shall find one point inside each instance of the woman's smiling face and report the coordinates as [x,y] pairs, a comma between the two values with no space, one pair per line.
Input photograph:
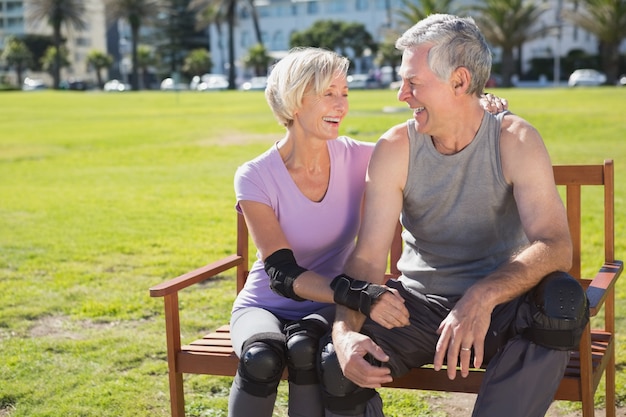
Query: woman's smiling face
[321,115]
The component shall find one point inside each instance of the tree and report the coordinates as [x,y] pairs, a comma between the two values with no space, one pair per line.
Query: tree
[37,44]
[197,62]
[325,34]
[226,11]
[178,33]
[52,61]
[208,14]
[98,61]
[412,11]
[135,12]
[357,38]
[606,19]
[388,54]
[337,36]
[146,58]
[58,13]
[257,59]
[17,55]
[508,24]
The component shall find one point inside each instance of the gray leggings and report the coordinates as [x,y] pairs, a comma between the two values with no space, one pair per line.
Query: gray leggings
[304,400]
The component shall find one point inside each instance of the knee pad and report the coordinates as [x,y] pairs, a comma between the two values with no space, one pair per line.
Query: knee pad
[303,338]
[560,312]
[339,394]
[261,364]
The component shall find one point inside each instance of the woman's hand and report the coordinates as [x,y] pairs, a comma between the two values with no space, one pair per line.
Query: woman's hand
[494,104]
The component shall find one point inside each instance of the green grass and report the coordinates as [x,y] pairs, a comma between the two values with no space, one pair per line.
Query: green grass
[104,195]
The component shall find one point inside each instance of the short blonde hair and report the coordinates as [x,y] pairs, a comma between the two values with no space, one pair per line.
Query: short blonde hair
[302,70]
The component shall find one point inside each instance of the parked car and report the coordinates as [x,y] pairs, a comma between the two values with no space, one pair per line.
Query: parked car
[32,84]
[74,84]
[209,82]
[588,77]
[116,85]
[170,84]
[255,84]
[361,81]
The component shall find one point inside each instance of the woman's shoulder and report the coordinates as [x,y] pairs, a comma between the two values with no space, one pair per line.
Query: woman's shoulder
[260,162]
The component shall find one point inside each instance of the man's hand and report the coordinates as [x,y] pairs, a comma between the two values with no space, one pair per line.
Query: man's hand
[389,310]
[461,331]
[351,348]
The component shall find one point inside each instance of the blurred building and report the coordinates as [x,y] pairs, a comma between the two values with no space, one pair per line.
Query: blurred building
[278,19]
[15,20]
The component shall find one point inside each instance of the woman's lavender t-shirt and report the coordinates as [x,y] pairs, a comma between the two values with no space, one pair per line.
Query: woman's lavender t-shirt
[321,234]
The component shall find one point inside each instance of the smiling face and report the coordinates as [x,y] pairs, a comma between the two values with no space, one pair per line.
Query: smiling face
[320,115]
[425,93]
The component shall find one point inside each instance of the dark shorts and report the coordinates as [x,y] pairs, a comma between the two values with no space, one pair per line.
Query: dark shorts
[414,345]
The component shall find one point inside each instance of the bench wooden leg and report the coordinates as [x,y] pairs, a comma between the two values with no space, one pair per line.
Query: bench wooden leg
[172,330]
[610,384]
[586,373]
[177,394]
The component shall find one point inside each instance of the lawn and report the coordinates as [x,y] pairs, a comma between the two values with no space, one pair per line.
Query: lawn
[104,195]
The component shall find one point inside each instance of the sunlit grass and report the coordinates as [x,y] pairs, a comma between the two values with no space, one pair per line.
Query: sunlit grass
[104,195]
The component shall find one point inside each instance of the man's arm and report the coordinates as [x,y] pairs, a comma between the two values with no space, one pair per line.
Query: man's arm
[383,202]
[526,165]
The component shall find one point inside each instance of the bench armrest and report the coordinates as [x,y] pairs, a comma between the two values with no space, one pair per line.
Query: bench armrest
[602,283]
[197,275]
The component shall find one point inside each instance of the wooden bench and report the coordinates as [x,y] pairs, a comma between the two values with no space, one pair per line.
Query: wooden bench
[213,354]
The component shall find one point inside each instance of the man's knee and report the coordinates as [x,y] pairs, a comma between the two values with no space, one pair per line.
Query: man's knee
[261,364]
[560,312]
[303,338]
[340,395]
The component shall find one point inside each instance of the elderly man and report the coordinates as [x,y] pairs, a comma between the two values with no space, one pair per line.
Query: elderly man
[485,238]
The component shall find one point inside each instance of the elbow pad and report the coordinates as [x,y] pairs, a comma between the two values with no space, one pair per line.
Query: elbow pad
[283,270]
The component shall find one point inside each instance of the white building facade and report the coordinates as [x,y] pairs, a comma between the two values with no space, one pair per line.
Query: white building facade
[15,21]
[278,19]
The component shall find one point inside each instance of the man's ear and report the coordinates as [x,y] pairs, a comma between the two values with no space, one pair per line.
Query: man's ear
[460,80]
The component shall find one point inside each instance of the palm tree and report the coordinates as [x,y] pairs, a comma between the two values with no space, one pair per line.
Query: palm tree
[226,10]
[258,59]
[207,14]
[18,56]
[415,10]
[146,58]
[508,24]
[197,62]
[606,19]
[54,59]
[135,12]
[57,13]
[98,61]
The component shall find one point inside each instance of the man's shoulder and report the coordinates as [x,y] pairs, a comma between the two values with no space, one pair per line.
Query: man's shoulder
[514,126]
[397,133]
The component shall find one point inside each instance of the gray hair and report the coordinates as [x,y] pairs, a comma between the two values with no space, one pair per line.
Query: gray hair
[457,42]
[304,70]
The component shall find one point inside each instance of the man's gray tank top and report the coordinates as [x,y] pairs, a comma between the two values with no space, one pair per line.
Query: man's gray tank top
[459,216]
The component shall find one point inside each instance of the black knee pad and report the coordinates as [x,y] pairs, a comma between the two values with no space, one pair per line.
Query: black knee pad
[560,312]
[303,338]
[261,364]
[339,394]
